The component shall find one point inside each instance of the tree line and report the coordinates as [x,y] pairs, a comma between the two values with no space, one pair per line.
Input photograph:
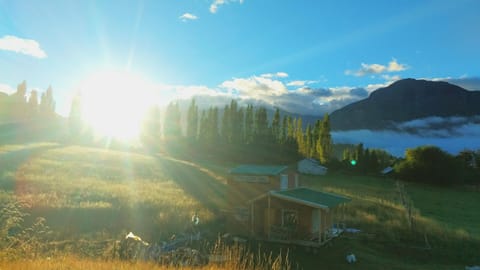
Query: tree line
[240,126]
[19,108]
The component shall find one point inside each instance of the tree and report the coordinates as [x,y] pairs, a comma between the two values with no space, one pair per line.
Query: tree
[33,104]
[428,164]
[226,129]
[276,125]
[192,121]
[299,136]
[171,125]
[151,131]
[75,121]
[324,143]
[19,102]
[47,104]
[261,125]
[249,125]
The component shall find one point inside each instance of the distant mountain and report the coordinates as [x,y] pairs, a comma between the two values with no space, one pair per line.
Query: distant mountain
[406,100]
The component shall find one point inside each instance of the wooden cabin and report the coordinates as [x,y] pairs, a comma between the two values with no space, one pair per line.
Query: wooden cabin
[268,203]
[297,216]
[247,182]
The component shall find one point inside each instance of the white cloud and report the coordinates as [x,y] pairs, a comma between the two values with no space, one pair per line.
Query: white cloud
[394,66]
[300,83]
[255,87]
[466,136]
[275,75]
[188,17]
[370,69]
[469,83]
[216,3]
[7,89]
[20,45]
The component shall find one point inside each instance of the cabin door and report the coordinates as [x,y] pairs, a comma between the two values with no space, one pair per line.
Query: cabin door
[283,181]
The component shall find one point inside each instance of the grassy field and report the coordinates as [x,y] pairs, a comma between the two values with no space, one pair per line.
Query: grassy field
[89,195]
[81,190]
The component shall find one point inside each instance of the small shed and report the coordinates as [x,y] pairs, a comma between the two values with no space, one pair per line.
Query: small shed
[387,170]
[311,166]
[297,216]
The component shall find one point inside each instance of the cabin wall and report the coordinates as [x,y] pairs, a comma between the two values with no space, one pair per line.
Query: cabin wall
[260,226]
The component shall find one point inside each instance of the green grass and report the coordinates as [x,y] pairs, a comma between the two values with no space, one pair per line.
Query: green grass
[80,189]
[454,207]
[91,193]
[448,217]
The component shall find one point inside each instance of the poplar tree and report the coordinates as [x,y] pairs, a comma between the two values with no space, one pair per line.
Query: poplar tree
[33,104]
[47,104]
[276,125]
[261,125]
[299,136]
[171,124]
[192,121]
[249,125]
[75,116]
[226,125]
[324,143]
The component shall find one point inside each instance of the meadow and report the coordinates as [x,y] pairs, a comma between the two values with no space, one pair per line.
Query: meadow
[90,197]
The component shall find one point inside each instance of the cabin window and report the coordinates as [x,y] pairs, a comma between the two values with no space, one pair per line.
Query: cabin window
[289,218]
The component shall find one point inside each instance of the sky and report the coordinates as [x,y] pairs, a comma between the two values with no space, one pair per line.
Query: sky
[307,57]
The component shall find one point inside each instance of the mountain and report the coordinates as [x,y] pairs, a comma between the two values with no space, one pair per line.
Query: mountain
[406,100]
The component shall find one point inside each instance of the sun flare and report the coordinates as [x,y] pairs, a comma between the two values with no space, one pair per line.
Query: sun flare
[114,103]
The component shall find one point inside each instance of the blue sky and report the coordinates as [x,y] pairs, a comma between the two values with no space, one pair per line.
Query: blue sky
[303,56]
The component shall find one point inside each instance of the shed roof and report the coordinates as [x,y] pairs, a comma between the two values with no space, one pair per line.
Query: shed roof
[311,197]
[258,169]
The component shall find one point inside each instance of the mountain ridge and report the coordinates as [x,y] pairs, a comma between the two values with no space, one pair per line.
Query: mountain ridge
[406,100]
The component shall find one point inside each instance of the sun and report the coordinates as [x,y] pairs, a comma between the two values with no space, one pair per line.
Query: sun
[114,103]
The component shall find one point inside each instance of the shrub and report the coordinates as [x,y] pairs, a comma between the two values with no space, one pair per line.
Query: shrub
[428,164]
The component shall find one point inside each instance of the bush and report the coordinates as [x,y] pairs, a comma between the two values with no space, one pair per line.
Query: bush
[428,164]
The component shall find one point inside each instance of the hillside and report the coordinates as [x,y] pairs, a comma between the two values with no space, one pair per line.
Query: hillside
[406,100]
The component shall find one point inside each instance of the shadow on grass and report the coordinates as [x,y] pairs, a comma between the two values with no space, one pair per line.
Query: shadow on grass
[11,161]
[202,184]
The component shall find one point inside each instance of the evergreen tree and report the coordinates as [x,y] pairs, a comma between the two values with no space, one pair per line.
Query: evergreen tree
[249,125]
[151,130]
[239,126]
[308,142]
[291,125]
[171,125]
[261,125]
[20,102]
[226,129]
[358,156]
[284,130]
[299,136]
[75,117]
[212,125]
[236,119]
[33,104]
[324,143]
[47,104]
[276,125]
[203,129]
[192,121]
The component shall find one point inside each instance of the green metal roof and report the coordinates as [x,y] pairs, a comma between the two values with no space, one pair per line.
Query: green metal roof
[258,170]
[311,197]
